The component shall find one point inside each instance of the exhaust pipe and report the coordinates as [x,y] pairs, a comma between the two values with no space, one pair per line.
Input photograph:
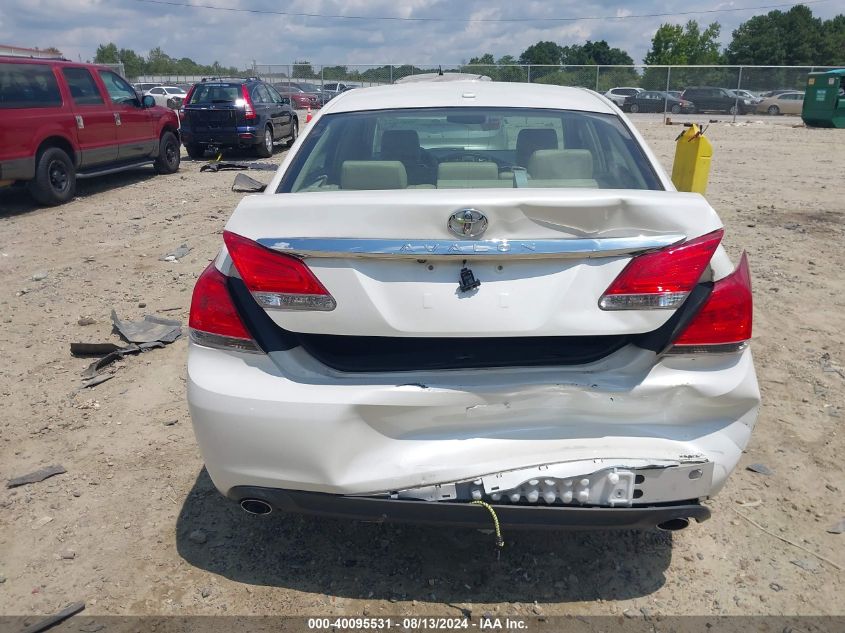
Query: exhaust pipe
[673,525]
[256,506]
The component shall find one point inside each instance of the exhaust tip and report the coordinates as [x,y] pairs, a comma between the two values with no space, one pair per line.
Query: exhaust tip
[256,506]
[673,525]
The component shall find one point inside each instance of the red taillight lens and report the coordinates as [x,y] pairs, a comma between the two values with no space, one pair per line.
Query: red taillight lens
[214,319]
[662,279]
[724,321]
[249,110]
[186,100]
[277,281]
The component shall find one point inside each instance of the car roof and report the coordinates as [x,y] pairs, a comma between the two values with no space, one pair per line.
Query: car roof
[469,94]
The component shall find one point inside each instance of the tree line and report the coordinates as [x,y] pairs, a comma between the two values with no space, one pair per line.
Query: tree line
[778,38]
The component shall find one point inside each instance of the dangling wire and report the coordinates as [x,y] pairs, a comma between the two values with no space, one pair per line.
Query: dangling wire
[500,542]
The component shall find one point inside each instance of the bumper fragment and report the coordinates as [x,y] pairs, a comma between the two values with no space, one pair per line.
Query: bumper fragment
[382,510]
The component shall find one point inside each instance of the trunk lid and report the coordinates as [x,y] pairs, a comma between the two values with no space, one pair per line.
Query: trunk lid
[393,266]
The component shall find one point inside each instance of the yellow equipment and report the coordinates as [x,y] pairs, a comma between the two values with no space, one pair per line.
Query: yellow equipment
[693,153]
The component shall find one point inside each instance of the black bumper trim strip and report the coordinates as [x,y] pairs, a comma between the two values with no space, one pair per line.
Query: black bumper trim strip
[383,510]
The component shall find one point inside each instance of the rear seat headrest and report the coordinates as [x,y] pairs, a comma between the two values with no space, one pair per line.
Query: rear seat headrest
[373,174]
[550,164]
[400,144]
[530,140]
[468,171]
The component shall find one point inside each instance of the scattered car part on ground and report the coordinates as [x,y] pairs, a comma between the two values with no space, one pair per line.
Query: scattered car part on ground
[598,375]
[150,329]
[37,476]
[62,121]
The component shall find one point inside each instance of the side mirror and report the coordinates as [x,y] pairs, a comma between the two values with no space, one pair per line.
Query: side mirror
[148,101]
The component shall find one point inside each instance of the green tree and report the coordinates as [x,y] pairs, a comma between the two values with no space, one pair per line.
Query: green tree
[107,54]
[134,65]
[598,52]
[791,38]
[303,70]
[485,60]
[834,41]
[682,45]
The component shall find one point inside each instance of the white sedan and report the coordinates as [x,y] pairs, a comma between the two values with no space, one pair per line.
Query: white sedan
[456,292]
[167,96]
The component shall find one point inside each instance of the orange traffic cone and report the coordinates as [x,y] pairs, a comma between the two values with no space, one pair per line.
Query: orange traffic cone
[308,116]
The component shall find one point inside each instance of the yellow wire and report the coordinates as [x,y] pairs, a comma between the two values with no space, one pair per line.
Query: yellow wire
[496,527]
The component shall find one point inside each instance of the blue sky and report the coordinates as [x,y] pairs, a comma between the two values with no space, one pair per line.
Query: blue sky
[77,26]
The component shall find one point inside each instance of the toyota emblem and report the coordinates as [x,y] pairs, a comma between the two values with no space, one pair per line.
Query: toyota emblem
[467,223]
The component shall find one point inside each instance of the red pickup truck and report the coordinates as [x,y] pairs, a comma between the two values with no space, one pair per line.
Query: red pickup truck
[61,121]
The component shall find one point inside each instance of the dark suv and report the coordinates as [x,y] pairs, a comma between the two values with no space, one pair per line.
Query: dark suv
[62,120]
[707,99]
[229,113]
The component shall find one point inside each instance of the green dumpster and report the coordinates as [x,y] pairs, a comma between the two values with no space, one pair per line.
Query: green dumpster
[824,99]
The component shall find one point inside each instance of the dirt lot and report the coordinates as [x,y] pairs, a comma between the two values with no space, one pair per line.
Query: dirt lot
[135,526]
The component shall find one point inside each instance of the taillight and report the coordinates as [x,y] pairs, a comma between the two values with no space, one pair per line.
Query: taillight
[277,281]
[186,100]
[723,323]
[249,111]
[661,280]
[214,320]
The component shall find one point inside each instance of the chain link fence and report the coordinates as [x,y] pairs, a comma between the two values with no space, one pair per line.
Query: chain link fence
[599,78]
[756,80]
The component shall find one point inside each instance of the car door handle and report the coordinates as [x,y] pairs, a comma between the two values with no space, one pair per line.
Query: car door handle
[117,118]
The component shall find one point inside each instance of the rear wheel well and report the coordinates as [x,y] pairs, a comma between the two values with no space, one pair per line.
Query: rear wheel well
[60,142]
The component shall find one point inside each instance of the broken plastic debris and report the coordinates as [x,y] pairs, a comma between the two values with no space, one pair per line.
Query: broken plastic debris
[215,166]
[148,330]
[838,527]
[109,353]
[177,254]
[245,184]
[760,468]
[35,477]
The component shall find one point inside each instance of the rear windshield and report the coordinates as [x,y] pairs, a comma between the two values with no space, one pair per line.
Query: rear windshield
[28,86]
[216,93]
[469,148]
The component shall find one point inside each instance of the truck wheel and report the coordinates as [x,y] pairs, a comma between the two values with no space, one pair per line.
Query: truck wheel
[197,152]
[265,148]
[634,108]
[55,178]
[294,131]
[168,154]
[773,110]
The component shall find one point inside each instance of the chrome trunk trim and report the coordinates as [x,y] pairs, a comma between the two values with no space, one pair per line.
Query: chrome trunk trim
[343,247]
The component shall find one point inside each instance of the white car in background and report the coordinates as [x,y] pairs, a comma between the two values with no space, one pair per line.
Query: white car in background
[167,96]
[618,95]
[532,317]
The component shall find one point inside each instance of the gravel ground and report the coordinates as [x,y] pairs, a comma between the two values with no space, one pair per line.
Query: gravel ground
[135,526]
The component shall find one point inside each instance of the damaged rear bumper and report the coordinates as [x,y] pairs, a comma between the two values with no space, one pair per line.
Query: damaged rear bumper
[383,510]
[680,424]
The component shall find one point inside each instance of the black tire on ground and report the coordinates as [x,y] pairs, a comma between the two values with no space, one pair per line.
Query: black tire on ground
[294,131]
[168,154]
[55,178]
[773,110]
[197,152]
[265,148]
[676,109]
[634,108]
